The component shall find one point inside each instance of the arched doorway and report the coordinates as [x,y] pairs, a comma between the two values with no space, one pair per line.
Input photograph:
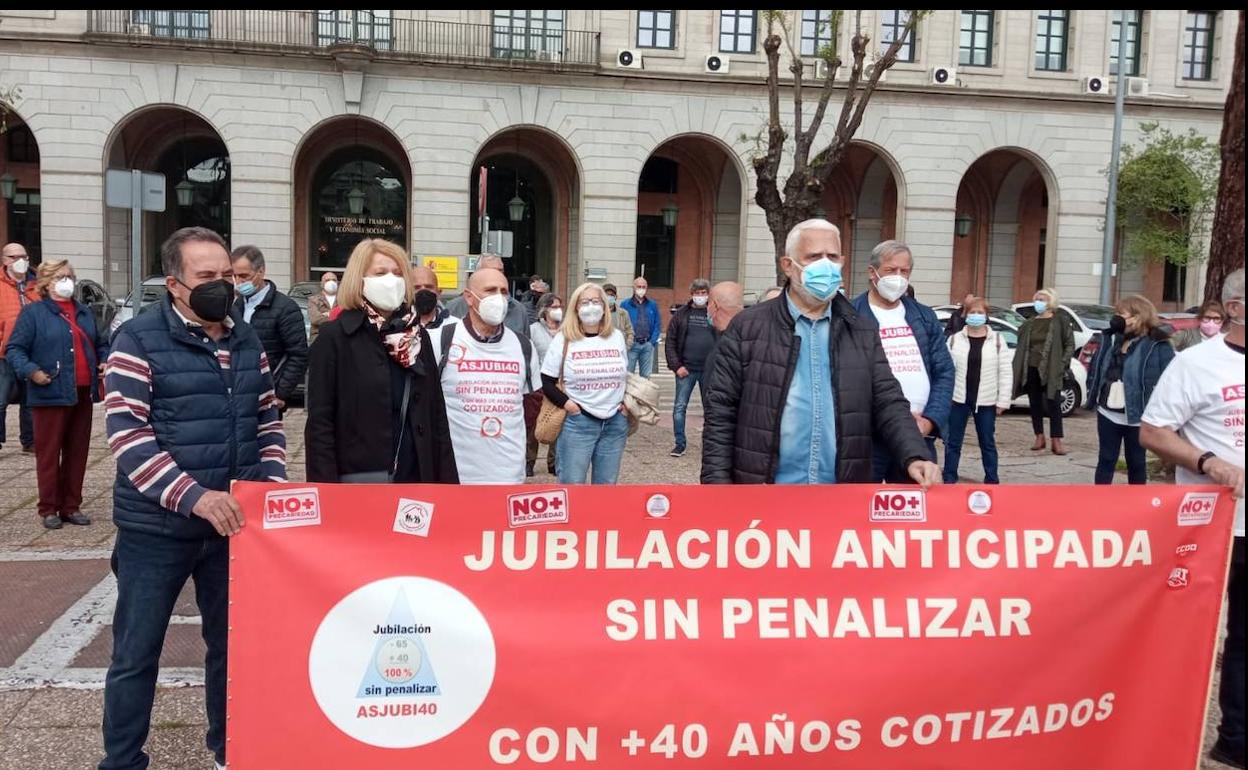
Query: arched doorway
[194,160]
[688,217]
[352,181]
[532,204]
[20,204]
[1001,229]
[861,199]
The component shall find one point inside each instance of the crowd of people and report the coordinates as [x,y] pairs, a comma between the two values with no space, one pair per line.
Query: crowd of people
[808,386]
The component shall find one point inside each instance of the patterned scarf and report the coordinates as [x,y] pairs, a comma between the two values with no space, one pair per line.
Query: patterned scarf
[400,333]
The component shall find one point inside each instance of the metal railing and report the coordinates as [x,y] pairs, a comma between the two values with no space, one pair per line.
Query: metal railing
[316,33]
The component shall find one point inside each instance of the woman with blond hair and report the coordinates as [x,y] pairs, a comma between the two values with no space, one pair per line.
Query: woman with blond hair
[1134,352]
[375,406]
[56,347]
[589,356]
[1046,343]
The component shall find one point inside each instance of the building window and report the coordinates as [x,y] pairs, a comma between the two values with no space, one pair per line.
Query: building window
[372,28]
[1174,283]
[1129,43]
[816,31]
[185,24]
[528,34]
[1198,45]
[656,251]
[1052,32]
[893,25]
[975,46]
[656,29]
[22,145]
[736,31]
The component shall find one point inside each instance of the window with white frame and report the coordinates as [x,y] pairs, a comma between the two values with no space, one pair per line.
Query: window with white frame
[1198,45]
[1124,40]
[816,31]
[373,28]
[528,34]
[196,25]
[975,43]
[892,25]
[1052,40]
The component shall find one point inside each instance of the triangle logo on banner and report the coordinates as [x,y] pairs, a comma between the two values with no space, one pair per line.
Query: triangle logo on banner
[400,664]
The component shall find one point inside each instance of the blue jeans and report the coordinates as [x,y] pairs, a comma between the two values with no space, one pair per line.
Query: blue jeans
[151,571]
[586,439]
[1111,437]
[641,358]
[985,428]
[684,391]
[26,425]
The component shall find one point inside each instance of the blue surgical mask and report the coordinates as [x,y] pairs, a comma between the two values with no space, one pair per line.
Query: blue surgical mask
[1040,305]
[246,288]
[822,278]
[976,319]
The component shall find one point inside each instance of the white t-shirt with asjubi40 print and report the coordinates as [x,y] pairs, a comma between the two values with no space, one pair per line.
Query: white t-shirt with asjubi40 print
[595,374]
[1201,395]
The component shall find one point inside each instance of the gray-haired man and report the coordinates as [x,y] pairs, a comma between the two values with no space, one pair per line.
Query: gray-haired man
[690,338]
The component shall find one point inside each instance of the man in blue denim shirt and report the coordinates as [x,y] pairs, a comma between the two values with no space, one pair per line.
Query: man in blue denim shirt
[647,327]
[801,385]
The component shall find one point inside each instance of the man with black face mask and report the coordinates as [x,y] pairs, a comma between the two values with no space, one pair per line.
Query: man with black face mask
[190,408]
[426,297]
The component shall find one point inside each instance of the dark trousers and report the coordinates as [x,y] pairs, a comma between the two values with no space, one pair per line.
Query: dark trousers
[62,438]
[1039,403]
[151,571]
[1231,694]
[985,429]
[9,381]
[1111,437]
[886,468]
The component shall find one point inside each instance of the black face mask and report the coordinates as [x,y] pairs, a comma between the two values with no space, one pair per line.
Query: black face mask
[1118,325]
[211,301]
[425,302]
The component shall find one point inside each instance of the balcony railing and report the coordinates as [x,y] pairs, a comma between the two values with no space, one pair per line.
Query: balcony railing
[319,33]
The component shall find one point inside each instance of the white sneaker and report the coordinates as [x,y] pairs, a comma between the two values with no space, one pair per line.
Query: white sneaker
[218,766]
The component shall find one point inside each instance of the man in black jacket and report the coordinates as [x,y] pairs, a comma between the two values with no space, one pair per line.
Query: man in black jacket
[276,320]
[689,341]
[801,384]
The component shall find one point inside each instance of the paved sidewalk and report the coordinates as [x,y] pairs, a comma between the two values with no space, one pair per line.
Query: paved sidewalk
[56,593]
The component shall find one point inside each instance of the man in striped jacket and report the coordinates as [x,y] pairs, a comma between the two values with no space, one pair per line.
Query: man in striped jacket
[190,407]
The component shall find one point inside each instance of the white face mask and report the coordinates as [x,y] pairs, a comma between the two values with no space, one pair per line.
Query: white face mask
[640,293]
[63,288]
[384,292]
[590,314]
[20,267]
[555,314]
[493,309]
[892,287]
[700,301]
[331,287]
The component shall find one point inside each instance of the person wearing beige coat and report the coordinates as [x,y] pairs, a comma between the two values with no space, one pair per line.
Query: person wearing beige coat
[983,388]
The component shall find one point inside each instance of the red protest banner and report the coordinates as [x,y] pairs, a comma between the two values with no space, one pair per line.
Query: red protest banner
[718,627]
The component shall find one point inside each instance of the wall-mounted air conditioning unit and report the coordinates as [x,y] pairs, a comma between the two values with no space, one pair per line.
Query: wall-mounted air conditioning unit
[1137,86]
[627,59]
[943,76]
[139,30]
[1096,84]
[716,64]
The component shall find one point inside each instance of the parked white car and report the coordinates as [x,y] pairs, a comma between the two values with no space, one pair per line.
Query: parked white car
[1071,397]
[153,290]
[1085,320]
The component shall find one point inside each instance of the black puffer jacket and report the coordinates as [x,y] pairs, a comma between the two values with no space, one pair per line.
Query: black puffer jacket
[278,323]
[754,366]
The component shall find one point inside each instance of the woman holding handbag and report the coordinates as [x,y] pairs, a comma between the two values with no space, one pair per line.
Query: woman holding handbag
[584,374]
[541,332]
[375,406]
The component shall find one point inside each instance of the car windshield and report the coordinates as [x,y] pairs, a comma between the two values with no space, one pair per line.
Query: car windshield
[1007,315]
[1095,317]
[151,293]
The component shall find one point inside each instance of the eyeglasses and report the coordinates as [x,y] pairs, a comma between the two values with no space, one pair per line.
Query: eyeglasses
[590,302]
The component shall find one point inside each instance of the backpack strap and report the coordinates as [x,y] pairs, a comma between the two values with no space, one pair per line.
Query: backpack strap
[448,335]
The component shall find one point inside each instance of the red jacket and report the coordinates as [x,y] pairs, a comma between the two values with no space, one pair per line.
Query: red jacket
[11,303]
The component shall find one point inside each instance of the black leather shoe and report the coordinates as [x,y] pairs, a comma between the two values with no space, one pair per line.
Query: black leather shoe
[79,518]
[52,522]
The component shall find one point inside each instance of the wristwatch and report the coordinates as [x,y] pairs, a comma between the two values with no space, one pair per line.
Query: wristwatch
[1200,464]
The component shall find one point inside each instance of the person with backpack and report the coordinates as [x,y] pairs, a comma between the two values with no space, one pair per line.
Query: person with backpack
[486,370]
[983,387]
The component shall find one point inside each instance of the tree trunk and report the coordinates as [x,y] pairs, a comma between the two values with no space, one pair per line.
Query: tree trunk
[1226,252]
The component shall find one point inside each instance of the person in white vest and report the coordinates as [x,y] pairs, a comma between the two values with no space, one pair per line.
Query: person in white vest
[486,370]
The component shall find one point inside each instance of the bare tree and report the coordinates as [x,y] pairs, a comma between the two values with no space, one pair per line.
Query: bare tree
[1226,252]
[804,186]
